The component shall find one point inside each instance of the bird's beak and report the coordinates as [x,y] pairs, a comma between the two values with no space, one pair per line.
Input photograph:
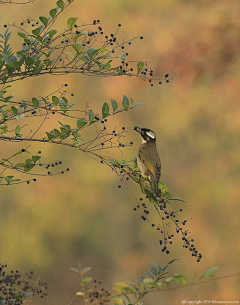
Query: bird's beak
[138,129]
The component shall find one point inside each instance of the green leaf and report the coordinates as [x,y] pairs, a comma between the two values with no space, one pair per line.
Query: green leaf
[36,31]
[62,106]
[180,278]
[210,272]
[121,287]
[71,22]
[169,263]
[19,165]
[53,12]
[60,4]
[29,61]
[163,187]
[28,167]
[114,105]
[77,46]
[176,198]
[137,105]
[44,20]
[91,52]
[17,129]
[65,100]
[51,33]
[75,270]
[35,102]
[149,282]
[71,54]
[153,270]
[140,66]
[116,300]
[14,110]
[134,287]
[105,110]
[149,274]
[105,50]
[84,58]
[91,117]
[23,35]
[125,102]
[157,265]
[55,100]
[20,117]
[167,281]
[85,270]
[128,299]
[85,281]
[36,158]
[122,57]
[106,66]
[50,136]
[81,122]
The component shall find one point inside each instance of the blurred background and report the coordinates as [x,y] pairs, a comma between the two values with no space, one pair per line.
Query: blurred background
[82,216]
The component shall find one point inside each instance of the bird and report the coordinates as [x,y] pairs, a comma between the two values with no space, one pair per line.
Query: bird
[148,159]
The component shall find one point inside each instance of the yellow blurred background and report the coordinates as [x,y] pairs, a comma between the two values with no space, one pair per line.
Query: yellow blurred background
[82,216]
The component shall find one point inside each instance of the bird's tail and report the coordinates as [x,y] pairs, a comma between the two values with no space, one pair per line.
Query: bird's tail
[154,186]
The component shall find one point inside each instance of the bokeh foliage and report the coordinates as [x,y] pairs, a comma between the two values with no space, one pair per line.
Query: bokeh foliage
[196,118]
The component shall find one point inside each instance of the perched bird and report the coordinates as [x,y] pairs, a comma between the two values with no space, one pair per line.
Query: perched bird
[148,159]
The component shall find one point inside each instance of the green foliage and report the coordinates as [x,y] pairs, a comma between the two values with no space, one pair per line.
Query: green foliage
[155,280]
[209,272]
[21,111]
[43,49]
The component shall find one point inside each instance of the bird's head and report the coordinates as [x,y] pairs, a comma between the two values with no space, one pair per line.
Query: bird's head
[147,134]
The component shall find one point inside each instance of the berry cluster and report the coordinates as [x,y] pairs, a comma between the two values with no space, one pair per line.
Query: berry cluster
[166,217]
[16,288]
[98,294]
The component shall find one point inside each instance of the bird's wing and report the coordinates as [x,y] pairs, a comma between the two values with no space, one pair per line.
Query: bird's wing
[149,165]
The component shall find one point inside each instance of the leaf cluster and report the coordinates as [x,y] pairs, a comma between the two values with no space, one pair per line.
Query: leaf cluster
[46,51]
[155,280]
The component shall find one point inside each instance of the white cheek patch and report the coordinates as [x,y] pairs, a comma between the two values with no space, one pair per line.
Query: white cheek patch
[151,134]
